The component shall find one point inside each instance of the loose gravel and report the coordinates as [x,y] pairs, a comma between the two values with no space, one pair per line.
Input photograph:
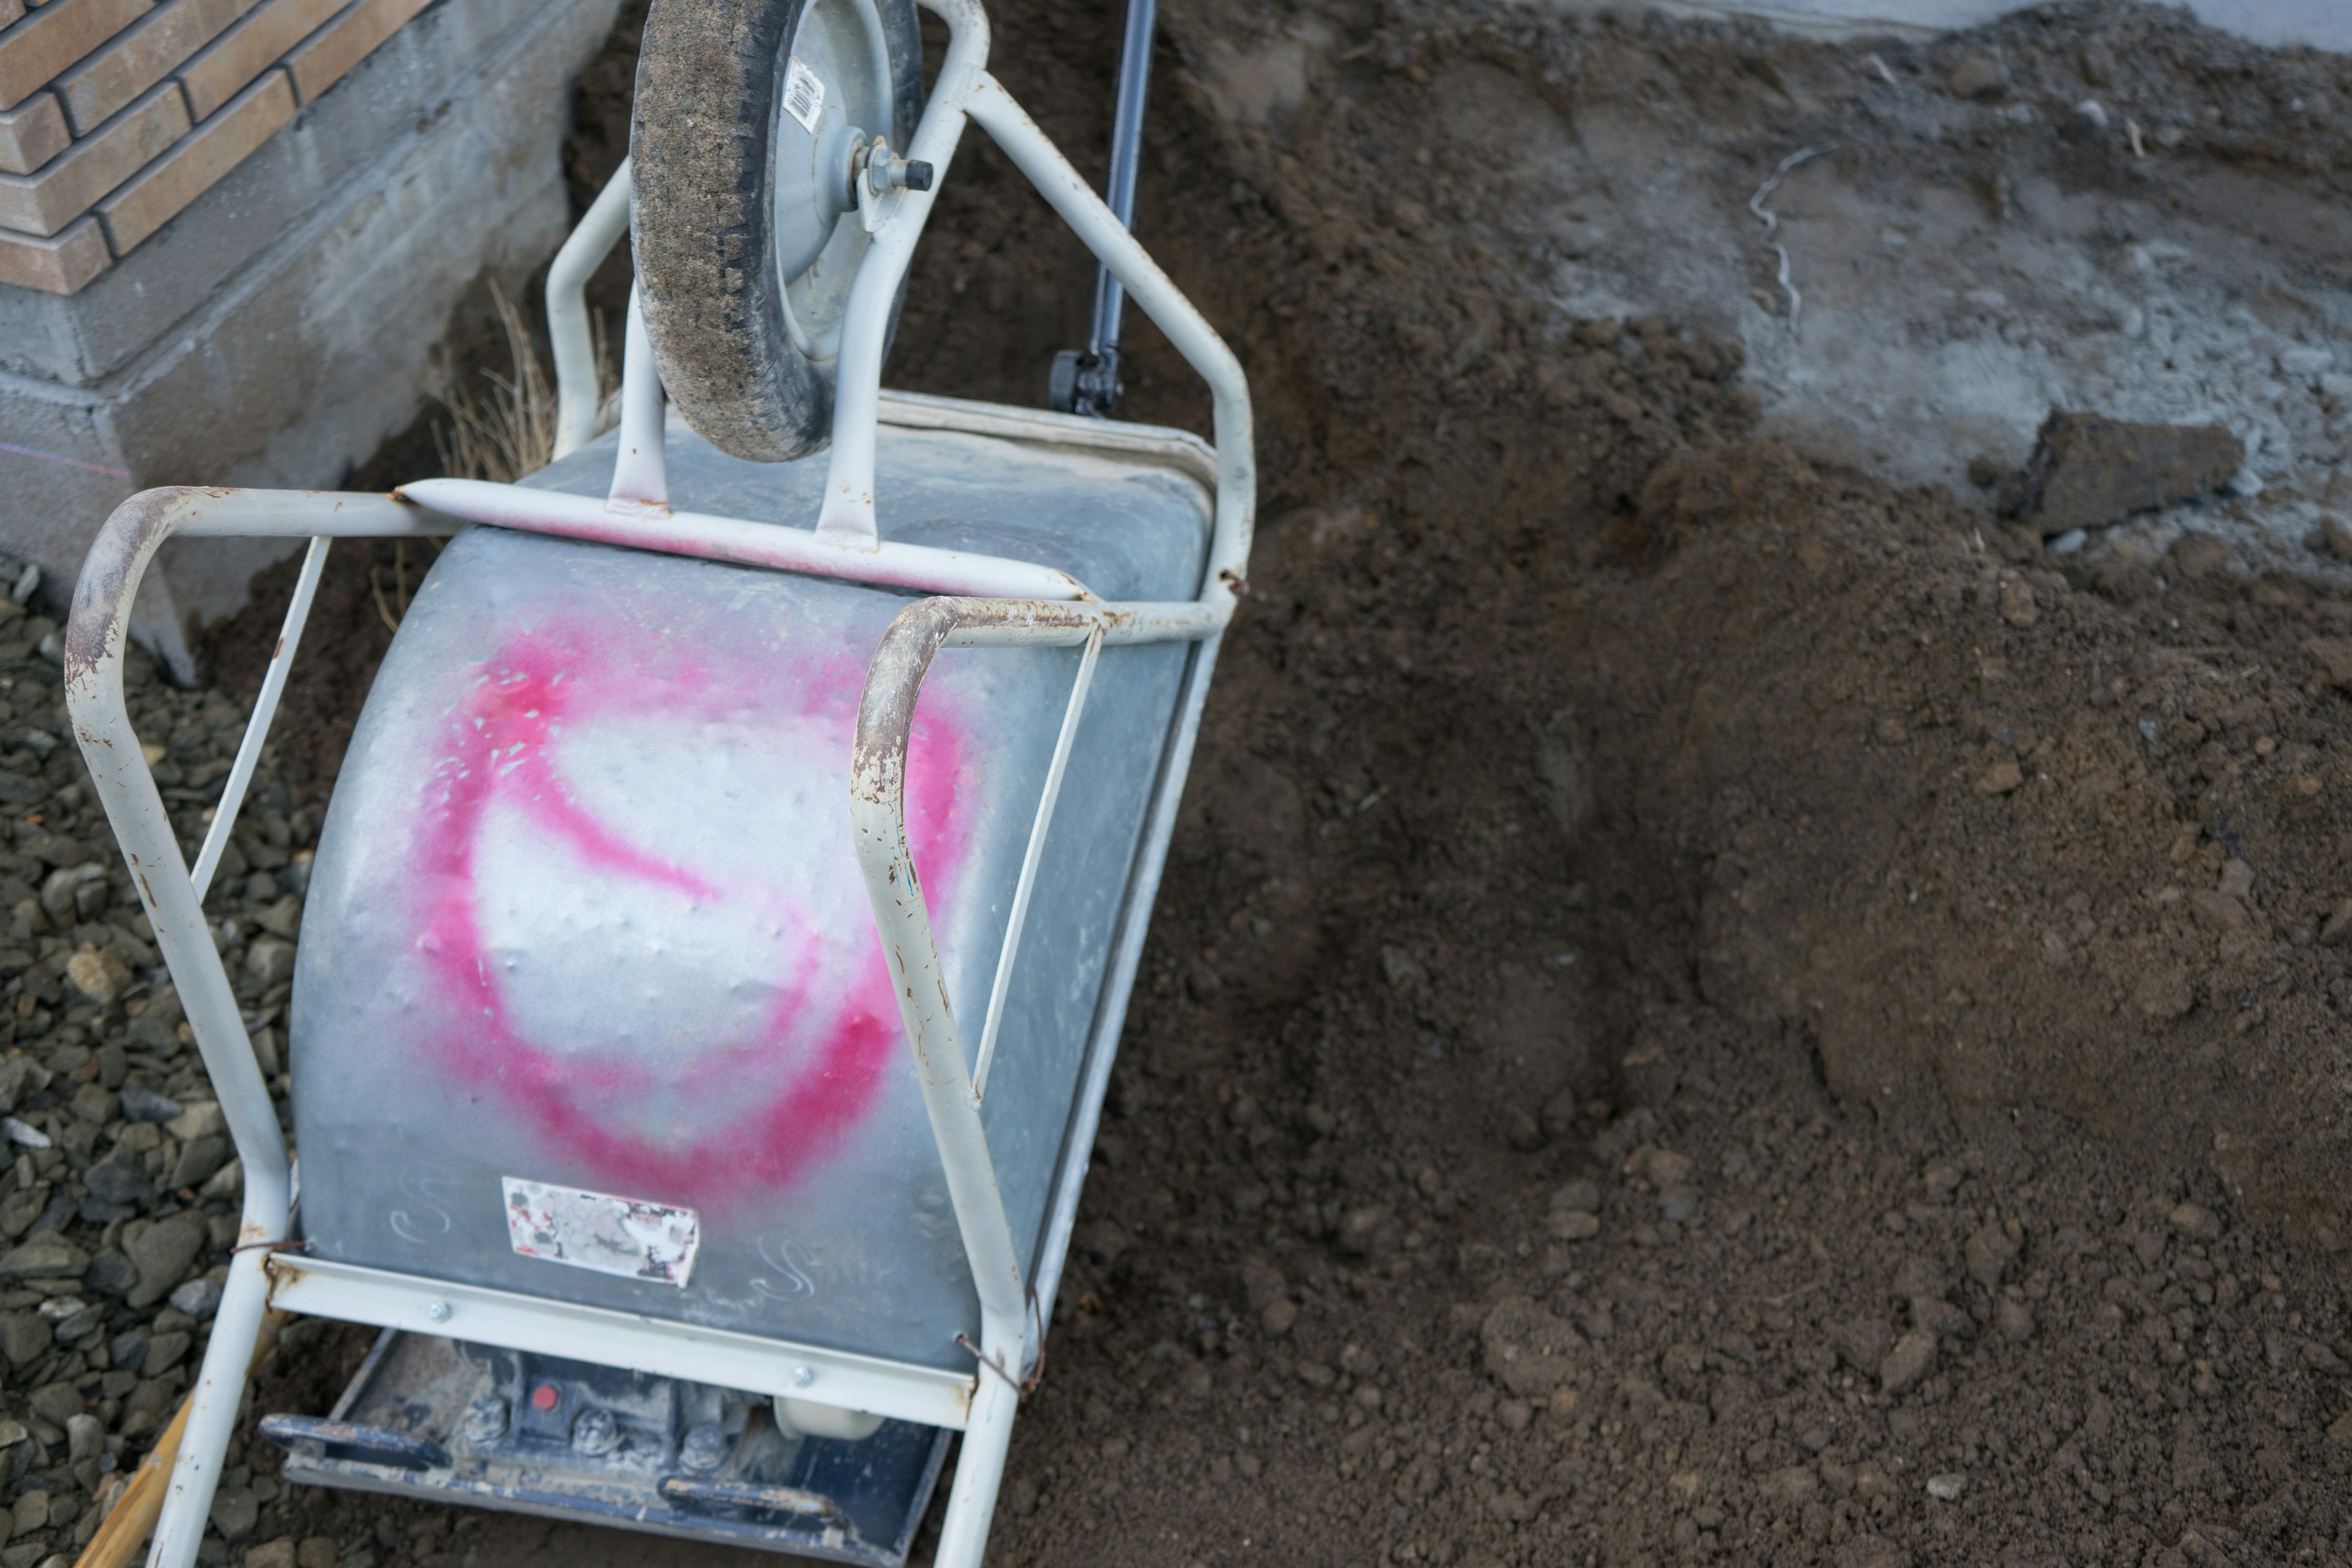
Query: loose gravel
[120,1201]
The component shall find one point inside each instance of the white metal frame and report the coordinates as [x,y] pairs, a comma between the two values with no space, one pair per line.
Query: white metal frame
[994,603]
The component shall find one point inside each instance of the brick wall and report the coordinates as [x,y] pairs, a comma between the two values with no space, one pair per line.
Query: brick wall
[115,114]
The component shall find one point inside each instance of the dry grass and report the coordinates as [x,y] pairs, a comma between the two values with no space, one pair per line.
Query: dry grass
[509,431]
[499,435]
[393,605]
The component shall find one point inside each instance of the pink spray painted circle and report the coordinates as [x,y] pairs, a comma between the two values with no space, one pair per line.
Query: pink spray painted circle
[776,1073]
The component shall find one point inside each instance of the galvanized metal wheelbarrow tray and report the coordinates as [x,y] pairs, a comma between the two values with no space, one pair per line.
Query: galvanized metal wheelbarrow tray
[710,1300]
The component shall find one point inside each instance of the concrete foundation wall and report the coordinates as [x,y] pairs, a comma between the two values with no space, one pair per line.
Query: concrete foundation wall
[279,329]
[2321,24]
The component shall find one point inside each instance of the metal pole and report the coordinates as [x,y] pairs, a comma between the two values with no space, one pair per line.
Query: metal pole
[1126,149]
[1088,383]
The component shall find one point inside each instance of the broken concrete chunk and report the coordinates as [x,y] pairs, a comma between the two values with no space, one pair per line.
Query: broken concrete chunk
[2088,470]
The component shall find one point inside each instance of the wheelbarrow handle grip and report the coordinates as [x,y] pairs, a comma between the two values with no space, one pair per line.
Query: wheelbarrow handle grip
[370,1445]
[688,1492]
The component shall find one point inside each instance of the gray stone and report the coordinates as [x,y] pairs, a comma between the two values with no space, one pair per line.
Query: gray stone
[16,1074]
[283,918]
[201,1118]
[199,1158]
[227,1185]
[25,1335]
[236,1510]
[142,1104]
[157,1030]
[56,1214]
[199,1298]
[164,1353]
[55,849]
[129,1349]
[57,1403]
[85,1437]
[162,1253]
[120,1178]
[19,1209]
[47,1256]
[154,1396]
[110,1274]
[270,962]
[58,890]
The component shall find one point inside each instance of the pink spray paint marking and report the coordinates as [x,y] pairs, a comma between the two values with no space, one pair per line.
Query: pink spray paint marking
[764,1104]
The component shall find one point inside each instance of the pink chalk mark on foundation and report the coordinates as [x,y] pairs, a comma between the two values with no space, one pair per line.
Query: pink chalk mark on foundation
[500,752]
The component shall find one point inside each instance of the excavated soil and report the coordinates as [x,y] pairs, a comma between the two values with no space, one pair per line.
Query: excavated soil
[1707,1004]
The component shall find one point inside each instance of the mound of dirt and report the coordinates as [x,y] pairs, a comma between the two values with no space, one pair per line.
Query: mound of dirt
[1706,1002]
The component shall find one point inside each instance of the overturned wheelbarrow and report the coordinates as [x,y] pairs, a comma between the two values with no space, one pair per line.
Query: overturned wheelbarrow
[726,915]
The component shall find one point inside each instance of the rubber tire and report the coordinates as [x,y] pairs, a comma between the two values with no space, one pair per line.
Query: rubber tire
[699,218]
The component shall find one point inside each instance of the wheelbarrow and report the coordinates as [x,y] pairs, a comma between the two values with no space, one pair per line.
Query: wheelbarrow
[719,936]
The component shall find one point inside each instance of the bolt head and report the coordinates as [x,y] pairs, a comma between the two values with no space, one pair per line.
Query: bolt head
[802,1376]
[596,1432]
[438,1311]
[486,1419]
[703,1450]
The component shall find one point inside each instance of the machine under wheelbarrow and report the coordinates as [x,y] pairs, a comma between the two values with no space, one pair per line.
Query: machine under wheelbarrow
[724,922]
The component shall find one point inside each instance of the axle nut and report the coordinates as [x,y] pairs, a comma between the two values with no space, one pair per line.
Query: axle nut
[596,1432]
[703,1451]
[486,1420]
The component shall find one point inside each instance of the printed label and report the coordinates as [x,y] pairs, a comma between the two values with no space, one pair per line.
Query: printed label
[803,95]
[627,1237]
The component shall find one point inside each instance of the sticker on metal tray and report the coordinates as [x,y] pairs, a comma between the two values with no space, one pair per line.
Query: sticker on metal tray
[627,1237]
[803,95]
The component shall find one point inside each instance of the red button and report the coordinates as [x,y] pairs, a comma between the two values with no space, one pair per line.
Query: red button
[544,1396]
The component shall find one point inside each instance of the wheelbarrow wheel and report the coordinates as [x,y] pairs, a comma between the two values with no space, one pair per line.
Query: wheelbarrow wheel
[744,216]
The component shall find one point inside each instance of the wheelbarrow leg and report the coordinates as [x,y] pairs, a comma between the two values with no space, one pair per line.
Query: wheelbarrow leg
[980,1470]
[212,1413]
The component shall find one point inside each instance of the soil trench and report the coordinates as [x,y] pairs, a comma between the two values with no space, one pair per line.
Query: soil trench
[1710,1002]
